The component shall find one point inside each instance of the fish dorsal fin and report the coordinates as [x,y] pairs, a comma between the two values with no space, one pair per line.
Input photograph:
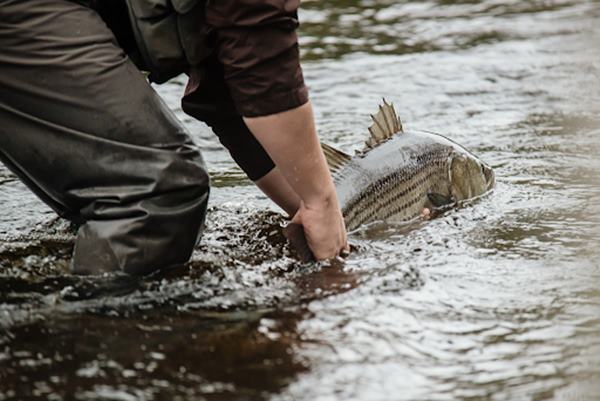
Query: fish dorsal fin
[336,159]
[385,125]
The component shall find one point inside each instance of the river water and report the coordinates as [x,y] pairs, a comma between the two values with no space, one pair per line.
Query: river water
[498,300]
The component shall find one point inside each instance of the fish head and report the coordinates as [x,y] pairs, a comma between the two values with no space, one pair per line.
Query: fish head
[469,176]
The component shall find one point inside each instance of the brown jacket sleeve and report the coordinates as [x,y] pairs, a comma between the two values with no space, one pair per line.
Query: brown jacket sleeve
[208,99]
[257,45]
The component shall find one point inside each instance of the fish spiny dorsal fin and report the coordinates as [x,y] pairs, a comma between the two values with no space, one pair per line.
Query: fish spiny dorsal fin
[336,159]
[385,125]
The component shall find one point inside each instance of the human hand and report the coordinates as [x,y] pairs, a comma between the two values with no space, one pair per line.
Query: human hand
[290,138]
[324,227]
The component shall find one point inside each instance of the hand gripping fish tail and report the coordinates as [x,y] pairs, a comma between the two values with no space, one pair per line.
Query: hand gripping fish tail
[399,176]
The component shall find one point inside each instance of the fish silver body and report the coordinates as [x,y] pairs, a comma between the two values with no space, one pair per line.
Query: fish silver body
[405,173]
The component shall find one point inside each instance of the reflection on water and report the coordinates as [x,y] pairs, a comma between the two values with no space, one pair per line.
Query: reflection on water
[403,27]
[497,300]
[142,356]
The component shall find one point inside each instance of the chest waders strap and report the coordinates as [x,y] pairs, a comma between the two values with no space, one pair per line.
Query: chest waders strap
[170,36]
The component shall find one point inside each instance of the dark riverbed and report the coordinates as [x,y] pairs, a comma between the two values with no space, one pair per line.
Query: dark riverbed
[499,300]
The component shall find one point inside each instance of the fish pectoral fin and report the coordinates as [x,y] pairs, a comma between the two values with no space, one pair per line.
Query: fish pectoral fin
[336,159]
[385,125]
[438,200]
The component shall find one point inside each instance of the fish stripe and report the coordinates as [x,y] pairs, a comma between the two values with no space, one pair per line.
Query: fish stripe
[381,199]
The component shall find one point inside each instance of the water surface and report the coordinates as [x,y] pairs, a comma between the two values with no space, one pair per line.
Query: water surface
[498,300]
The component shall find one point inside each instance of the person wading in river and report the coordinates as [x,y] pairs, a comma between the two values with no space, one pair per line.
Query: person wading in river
[81,126]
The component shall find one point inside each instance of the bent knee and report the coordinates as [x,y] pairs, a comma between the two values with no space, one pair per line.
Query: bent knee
[184,169]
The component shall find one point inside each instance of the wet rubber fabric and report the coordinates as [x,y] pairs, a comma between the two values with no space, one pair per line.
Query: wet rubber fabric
[84,130]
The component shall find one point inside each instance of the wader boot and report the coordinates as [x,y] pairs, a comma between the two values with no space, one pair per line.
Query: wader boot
[83,129]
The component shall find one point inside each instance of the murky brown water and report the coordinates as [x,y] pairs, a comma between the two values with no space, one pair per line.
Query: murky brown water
[499,300]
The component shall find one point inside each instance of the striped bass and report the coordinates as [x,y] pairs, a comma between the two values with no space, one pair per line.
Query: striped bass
[400,173]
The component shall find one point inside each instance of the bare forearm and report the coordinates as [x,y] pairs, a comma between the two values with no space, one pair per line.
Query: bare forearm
[290,139]
[276,187]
